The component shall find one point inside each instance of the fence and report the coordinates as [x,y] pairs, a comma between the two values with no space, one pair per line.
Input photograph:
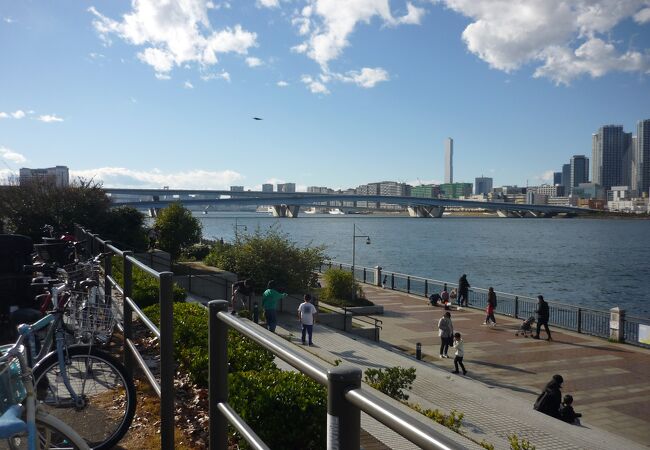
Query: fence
[570,317]
[345,399]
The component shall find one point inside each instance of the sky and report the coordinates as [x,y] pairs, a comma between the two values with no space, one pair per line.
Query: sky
[153,93]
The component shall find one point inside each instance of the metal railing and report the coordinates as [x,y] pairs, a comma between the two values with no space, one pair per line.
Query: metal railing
[345,396]
[571,317]
[165,388]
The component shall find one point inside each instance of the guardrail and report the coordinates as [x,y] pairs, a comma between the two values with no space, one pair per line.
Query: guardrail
[164,389]
[571,317]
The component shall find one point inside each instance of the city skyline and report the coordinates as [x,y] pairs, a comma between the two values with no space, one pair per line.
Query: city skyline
[135,94]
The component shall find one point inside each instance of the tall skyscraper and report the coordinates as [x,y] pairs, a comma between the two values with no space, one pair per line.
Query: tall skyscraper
[557,178]
[566,176]
[579,170]
[449,160]
[611,156]
[482,185]
[642,157]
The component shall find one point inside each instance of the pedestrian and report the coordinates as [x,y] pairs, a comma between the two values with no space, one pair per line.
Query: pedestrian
[270,303]
[241,292]
[444,297]
[153,237]
[567,414]
[307,315]
[491,306]
[383,283]
[453,295]
[463,291]
[446,333]
[542,317]
[459,354]
[548,402]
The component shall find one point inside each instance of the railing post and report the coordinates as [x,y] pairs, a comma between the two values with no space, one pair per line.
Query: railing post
[364,275]
[108,271]
[616,324]
[378,275]
[127,271]
[579,324]
[392,281]
[408,284]
[343,419]
[516,307]
[167,365]
[426,288]
[218,374]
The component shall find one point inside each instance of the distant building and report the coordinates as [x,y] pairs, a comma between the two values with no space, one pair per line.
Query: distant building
[426,191]
[286,187]
[590,191]
[449,160]
[482,185]
[319,190]
[611,156]
[642,158]
[455,190]
[579,170]
[545,189]
[557,178]
[237,188]
[58,175]
[393,189]
[566,176]
[267,187]
[368,189]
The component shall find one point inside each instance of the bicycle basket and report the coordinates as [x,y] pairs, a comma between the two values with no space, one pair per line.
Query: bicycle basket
[12,389]
[77,272]
[91,314]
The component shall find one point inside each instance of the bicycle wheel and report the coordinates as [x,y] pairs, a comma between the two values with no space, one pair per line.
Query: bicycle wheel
[52,434]
[108,394]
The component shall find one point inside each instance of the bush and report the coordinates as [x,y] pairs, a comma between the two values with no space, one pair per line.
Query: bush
[341,288]
[286,409]
[515,444]
[391,381]
[191,344]
[177,229]
[269,255]
[453,421]
[196,252]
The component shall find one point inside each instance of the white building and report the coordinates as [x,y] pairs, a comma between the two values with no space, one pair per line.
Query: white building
[58,175]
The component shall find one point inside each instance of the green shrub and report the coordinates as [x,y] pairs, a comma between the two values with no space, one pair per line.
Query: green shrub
[177,229]
[486,445]
[196,252]
[340,285]
[269,255]
[453,421]
[191,344]
[391,381]
[516,444]
[286,409]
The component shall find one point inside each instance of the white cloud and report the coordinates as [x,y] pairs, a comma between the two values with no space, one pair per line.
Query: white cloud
[545,177]
[9,20]
[253,62]
[188,85]
[315,86]
[282,83]
[48,118]
[10,155]
[214,76]
[4,115]
[366,78]
[564,37]
[643,16]
[174,33]
[19,114]
[191,179]
[269,3]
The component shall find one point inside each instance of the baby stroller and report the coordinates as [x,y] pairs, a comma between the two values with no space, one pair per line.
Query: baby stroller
[526,327]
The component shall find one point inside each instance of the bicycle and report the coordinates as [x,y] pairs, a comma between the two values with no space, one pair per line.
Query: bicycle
[23,423]
[79,383]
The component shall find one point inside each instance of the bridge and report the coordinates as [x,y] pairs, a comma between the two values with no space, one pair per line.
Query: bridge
[288,204]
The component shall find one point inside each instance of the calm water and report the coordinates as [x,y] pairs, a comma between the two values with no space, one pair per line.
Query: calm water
[593,263]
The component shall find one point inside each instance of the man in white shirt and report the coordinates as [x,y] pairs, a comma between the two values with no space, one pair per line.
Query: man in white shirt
[306,315]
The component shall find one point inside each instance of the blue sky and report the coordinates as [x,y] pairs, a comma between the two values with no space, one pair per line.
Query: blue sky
[158,93]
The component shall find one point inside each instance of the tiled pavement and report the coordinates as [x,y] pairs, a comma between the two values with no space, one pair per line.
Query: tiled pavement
[609,382]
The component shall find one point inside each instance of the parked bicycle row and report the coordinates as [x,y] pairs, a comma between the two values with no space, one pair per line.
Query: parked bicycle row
[59,367]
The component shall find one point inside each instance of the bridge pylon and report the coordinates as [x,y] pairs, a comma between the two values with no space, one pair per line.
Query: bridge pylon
[290,211]
[426,211]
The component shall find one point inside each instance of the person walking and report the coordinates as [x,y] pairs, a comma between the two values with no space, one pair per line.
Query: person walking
[153,236]
[446,333]
[307,315]
[542,317]
[270,303]
[491,306]
[548,402]
[459,354]
[463,291]
[241,292]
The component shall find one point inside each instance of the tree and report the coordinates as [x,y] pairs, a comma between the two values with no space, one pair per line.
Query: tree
[177,229]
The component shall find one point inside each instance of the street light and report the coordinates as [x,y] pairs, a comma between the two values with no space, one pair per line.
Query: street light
[356,236]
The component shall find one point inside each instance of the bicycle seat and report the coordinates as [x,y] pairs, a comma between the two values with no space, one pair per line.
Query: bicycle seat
[85,284]
[10,423]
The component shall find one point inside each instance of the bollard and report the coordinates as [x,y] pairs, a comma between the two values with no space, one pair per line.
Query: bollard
[256,313]
[418,351]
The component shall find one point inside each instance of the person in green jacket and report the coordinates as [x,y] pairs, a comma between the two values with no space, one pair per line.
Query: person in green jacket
[269,303]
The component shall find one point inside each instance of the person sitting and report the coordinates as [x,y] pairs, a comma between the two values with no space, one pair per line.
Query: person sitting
[567,414]
[435,300]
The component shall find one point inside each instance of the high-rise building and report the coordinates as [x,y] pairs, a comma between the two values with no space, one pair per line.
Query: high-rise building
[58,175]
[425,191]
[482,185]
[642,158]
[579,170]
[393,189]
[611,156]
[368,189]
[557,178]
[449,160]
[566,176]
[286,187]
[455,190]
[267,187]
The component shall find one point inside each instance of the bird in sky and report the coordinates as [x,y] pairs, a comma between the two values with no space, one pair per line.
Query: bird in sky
[257,118]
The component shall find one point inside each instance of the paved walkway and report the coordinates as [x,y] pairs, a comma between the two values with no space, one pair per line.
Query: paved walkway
[608,381]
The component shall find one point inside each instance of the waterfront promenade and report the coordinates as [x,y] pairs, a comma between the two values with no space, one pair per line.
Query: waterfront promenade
[609,381]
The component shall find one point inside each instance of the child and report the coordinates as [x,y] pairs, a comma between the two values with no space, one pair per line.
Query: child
[306,314]
[444,296]
[458,360]
[567,413]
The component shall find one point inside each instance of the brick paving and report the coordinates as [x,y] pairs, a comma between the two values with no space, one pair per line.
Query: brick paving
[609,381]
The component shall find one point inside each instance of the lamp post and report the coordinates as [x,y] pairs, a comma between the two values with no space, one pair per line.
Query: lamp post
[356,236]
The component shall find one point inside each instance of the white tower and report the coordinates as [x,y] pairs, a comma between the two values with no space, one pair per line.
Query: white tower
[449,160]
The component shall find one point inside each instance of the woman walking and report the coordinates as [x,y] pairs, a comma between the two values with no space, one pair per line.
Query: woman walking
[446,333]
[491,306]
